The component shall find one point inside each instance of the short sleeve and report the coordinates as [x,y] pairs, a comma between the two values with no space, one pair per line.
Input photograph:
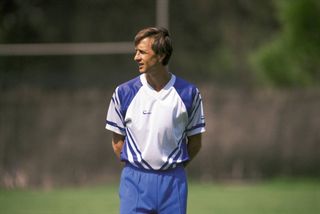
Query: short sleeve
[115,121]
[196,123]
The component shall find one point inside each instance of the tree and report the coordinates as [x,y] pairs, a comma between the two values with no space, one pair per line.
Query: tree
[291,59]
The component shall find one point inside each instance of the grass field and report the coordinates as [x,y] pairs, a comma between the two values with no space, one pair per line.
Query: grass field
[276,197]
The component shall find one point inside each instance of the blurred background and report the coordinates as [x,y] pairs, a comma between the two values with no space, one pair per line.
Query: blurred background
[257,64]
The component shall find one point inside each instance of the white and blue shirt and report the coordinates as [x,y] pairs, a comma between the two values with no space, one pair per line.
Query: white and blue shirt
[155,124]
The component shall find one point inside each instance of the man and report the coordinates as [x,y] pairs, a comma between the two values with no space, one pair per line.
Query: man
[157,120]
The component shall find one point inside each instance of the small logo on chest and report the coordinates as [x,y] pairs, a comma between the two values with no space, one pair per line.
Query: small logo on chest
[146,112]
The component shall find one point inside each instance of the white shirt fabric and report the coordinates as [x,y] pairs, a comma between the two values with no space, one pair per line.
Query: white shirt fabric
[155,124]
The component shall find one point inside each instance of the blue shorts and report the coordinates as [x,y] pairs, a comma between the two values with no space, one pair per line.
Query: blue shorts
[156,192]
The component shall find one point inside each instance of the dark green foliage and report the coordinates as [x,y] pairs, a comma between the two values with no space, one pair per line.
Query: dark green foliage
[291,59]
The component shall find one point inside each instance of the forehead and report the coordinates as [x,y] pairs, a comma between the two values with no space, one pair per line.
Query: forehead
[145,43]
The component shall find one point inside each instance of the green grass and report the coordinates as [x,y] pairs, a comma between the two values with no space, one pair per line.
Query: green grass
[267,198]
[84,200]
[277,197]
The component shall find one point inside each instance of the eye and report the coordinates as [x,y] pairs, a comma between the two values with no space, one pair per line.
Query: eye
[140,51]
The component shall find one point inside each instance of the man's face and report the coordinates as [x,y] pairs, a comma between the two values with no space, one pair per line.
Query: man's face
[145,56]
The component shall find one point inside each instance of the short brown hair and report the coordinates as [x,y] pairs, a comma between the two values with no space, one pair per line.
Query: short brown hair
[162,41]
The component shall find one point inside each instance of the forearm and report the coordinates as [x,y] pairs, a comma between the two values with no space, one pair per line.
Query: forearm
[117,147]
[194,146]
[193,150]
[117,144]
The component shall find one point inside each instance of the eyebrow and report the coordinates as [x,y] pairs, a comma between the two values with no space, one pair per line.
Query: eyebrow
[140,49]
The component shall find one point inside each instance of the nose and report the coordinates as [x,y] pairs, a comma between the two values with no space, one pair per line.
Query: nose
[137,57]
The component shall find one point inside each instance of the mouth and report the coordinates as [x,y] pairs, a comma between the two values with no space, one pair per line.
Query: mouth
[140,65]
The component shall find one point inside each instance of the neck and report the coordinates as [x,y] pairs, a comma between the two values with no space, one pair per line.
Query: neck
[159,79]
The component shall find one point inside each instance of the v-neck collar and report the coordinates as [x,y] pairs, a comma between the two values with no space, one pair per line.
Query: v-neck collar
[158,94]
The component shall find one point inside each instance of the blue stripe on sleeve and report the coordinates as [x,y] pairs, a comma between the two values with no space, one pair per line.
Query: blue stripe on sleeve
[115,125]
[194,111]
[200,125]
